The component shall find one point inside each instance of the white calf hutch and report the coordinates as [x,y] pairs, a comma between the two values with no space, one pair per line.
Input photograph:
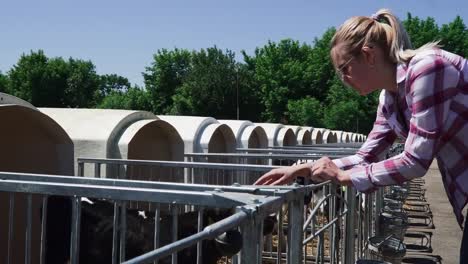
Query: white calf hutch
[32,143]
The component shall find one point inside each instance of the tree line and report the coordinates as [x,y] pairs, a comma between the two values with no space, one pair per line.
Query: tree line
[287,81]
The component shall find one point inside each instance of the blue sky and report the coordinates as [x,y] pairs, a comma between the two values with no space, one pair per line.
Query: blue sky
[121,36]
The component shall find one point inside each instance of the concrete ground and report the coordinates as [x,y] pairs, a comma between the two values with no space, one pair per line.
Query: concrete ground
[447,234]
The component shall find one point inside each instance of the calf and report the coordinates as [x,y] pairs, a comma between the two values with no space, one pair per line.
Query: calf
[96,233]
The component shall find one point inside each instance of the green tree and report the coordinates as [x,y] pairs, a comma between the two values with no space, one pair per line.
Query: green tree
[3,83]
[421,31]
[321,66]
[82,84]
[52,92]
[250,107]
[305,112]
[27,78]
[165,75]
[454,37]
[54,82]
[110,83]
[343,116]
[282,72]
[113,82]
[347,110]
[210,87]
[134,98]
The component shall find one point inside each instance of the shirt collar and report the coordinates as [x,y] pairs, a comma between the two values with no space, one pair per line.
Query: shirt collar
[401,73]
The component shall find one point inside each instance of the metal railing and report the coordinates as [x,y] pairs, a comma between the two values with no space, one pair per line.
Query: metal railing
[317,231]
[365,212]
[301,150]
[338,149]
[255,158]
[172,192]
[250,208]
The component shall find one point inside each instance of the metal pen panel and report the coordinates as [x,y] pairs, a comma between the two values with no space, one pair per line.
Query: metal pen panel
[189,195]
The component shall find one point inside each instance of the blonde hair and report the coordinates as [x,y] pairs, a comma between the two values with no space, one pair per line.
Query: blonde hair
[383,29]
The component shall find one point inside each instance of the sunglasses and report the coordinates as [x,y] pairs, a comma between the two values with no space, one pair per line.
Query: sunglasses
[342,70]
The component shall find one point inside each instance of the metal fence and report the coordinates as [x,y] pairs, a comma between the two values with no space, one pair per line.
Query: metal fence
[251,206]
[272,159]
[313,150]
[329,221]
[312,223]
[365,211]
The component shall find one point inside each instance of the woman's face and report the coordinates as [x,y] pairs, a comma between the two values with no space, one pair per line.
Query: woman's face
[355,70]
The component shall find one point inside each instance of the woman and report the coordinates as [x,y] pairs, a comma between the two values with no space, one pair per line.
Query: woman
[424,99]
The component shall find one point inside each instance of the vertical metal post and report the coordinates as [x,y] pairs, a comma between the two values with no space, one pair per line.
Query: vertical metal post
[332,214]
[115,232]
[379,200]
[248,254]
[80,169]
[11,220]
[175,224]
[97,170]
[235,259]
[360,229]
[259,231]
[156,228]
[27,257]
[342,223]
[279,248]
[295,234]
[188,173]
[349,230]
[119,171]
[321,248]
[75,230]
[123,230]
[43,229]
[199,229]
[368,228]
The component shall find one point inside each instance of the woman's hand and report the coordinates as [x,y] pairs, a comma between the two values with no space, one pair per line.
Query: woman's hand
[284,175]
[325,169]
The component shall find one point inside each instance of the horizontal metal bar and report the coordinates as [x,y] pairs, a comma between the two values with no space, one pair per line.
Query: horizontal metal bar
[257,155]
[287,192]
[181,164]
[295,151]
[320,146]
[273,256]
[209,232]
[253,189]
[120,193]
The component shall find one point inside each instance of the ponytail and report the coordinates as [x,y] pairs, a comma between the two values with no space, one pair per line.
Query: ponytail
[383,29]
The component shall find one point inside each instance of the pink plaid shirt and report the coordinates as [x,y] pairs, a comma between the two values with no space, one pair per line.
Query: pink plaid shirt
[430,112]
